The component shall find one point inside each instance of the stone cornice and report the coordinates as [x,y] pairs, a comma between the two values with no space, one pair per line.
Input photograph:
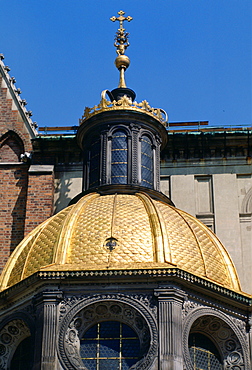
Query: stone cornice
[140,275]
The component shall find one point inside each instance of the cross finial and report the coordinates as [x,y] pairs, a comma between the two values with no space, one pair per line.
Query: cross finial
[121,43]
[121,38]
[121,19]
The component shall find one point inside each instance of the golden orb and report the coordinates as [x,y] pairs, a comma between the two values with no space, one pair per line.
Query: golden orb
[122,61]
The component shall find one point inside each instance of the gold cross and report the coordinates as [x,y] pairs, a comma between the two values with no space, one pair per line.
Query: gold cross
[121,19]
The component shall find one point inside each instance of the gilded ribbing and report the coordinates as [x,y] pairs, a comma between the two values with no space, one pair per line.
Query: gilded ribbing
[42,255]
[12,272]
[141,231]
[61,249]
[184,248]
[156,226]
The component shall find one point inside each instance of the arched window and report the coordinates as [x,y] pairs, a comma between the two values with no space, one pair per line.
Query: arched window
[204,354]
[94,170]
[119,158]
[22,358]
[146,162]
[109,345]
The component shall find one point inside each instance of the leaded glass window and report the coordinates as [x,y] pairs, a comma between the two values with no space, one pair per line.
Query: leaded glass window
[109,345]
[94,171]
[119,158]
[146,162]
[204,354]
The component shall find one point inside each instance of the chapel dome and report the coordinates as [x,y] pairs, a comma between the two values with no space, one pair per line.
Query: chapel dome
[121,231]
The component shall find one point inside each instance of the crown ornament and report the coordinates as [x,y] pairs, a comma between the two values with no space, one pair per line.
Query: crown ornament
[123,104]
[122,98]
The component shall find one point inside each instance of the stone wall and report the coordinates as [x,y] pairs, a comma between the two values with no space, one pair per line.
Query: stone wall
[223,202]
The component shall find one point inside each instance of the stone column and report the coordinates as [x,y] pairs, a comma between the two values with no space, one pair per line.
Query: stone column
[170,302]
[46,304]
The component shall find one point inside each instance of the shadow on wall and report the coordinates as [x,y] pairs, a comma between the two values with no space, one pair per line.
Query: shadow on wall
[19,210]
[62,193]
[247,202]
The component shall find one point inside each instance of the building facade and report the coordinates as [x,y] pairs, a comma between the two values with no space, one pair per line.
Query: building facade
[115,263]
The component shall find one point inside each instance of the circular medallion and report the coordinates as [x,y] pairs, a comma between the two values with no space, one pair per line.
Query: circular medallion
[6,338]
[234,358]
[230,345]
[115,309]
[101,309]
[13,330]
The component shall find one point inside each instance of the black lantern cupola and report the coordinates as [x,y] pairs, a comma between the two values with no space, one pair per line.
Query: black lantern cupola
[121,139]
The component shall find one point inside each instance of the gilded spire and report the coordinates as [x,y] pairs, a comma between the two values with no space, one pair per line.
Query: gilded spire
[121,43]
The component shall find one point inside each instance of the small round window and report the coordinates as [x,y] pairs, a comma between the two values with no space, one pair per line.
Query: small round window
[204,355]
[109,345]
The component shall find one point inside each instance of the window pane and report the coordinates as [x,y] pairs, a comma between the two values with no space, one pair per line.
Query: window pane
[92,332]
[204,354]
[108,364]
[109,348]
[127,331]
[90,364]
[119,158]
[109,331]
[88,348]
[130,347]
[127,363]
[146,162]
[109,345]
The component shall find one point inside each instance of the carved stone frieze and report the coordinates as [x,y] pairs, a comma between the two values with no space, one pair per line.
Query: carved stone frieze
[70,301]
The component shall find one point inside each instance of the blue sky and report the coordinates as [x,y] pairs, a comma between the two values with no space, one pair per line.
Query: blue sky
[189,57]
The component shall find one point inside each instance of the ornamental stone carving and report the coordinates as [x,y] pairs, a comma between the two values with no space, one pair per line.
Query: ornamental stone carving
[189,306]
[70,301]
[79,314]
[10,336]
[223,330]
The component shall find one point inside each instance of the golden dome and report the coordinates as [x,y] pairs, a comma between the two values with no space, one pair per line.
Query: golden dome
[121,231]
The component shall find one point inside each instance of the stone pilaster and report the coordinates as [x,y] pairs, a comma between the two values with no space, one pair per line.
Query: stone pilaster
[46,304]
[170,302]
[135,155]
[104,139]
